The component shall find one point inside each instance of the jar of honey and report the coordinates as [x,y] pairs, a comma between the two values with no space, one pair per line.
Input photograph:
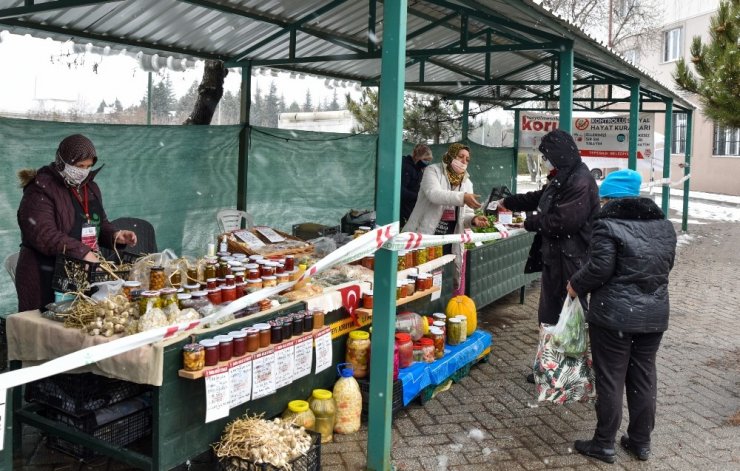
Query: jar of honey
[253,339]
[156,278]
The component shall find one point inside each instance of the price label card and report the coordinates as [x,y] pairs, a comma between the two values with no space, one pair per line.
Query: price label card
[263,374]
[3,400]
[269,234]
[303,354]
[217,393]
[249,238]
[284,363]
[240,377]
[323,348]
[437,282]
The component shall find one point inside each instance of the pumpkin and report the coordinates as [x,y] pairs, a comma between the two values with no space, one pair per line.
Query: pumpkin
[463,306]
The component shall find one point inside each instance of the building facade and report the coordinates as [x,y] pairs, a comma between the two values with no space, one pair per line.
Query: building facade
[715,161]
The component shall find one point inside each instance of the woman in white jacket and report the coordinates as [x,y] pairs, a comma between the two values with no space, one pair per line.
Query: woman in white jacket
[446,201]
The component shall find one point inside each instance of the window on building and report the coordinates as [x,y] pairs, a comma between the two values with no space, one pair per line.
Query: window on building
[632,56]
[726,141]
[672,45]
[678,134]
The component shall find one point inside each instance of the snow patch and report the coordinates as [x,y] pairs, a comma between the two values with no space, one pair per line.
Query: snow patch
[684,239]
[442,462]
[476,434]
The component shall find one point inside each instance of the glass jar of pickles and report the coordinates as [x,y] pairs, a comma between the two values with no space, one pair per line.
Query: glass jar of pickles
[210,270]
[421,256]
[438,337]
[454,331]
[402,260]
[175,279]
[193,357]
[358,352]
[130,286]
[156,278]
[325,411]
[149,300]
[168,297]
[464,328]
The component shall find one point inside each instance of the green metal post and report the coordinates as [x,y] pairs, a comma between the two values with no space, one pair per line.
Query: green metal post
[634,124]
[242,166]
[666,194]
[388,205]
[687,171]
[149,100]
[465,115]
[565,73]
[515,163]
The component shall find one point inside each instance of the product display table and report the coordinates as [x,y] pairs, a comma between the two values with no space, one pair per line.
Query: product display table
[419,376]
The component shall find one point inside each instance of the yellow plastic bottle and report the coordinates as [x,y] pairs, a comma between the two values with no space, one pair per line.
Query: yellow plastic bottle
[300,414]
[348,399]
[325,410]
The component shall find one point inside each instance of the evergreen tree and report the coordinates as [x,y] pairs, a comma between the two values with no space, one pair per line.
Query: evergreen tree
[282,107]
[101,107]
[364,111]
[163,101]
[334,105]
[256,112]
[117,106]
[294,107]
[186,102]
[718,67]
[308,104]
[230,104]
[272,107]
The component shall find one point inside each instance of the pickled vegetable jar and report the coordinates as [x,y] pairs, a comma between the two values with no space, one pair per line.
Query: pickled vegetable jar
[149,300]
[168,296]
[193,357]
[438,337]
[427,350]
[454,331]
[348,399]
[299,414]
[156,278]
[358,352]
[325,410]
[405,350]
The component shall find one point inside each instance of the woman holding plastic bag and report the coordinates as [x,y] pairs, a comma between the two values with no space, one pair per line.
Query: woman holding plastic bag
[632,252]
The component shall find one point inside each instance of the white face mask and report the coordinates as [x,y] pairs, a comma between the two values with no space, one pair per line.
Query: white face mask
[74,175]
[458,166]
[549,165]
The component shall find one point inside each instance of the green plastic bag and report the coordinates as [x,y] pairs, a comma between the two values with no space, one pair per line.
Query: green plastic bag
[569,334]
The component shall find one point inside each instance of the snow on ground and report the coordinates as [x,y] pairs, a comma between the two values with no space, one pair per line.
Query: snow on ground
[684,239]
[707,210]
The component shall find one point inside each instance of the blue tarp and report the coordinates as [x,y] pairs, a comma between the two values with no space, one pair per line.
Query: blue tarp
[420,375]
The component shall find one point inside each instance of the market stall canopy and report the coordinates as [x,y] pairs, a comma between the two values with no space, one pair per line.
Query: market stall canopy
[504,52]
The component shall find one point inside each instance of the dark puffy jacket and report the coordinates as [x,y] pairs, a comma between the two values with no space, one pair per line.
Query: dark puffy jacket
[565,208]
[411,174]
[46,215]
[632,252]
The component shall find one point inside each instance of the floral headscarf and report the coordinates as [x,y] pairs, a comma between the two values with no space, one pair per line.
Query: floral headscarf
[454,178]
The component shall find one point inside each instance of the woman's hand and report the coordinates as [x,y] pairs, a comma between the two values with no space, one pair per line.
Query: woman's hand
[479,221]
[91,257]
[571,292]
[126,238]
[471,200]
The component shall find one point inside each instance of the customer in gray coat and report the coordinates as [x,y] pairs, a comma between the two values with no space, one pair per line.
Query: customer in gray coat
[632,251]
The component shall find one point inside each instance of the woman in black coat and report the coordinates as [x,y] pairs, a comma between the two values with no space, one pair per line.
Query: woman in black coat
[565,208]
[632,252]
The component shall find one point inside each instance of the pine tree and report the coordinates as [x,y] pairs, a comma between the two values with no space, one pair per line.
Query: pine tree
[163,101]
[718,67]
[294,107]
[256,111]
[117,105]
[101,106]
[272,107]
[334,105]
[308,104]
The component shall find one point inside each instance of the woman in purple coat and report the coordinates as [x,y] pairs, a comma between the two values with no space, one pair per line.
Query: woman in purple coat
[61,212]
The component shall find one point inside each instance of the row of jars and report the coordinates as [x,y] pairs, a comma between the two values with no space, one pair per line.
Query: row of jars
[209,352]
[404,288]
[408,258]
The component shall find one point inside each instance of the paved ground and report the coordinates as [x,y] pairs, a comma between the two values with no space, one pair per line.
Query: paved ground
[490,421]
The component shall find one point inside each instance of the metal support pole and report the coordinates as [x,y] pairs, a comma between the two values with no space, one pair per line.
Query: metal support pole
[388,197]
[687,171]
[149,100]
[565,73]
[666,193]
[465,115]
[515,163]
[634,124]
[243,164]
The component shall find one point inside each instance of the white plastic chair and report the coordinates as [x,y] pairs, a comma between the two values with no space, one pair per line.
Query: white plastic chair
[231,219]
[11,261]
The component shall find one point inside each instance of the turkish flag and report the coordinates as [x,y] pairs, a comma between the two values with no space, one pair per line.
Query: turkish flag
[351,301]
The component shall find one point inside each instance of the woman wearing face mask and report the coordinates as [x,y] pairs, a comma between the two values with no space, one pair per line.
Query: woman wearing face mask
[61,212]
[446,201]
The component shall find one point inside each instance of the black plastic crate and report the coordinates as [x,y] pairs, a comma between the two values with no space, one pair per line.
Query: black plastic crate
[311,461]
[72,274]
[79,394]
[396,404]
[124,429]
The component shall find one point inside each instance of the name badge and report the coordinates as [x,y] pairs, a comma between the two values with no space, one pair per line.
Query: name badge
[89,236]
[448,215]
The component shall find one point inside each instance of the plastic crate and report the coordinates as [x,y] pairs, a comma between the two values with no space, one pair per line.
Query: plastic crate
[79,394]
[396,404]
[311,461]
[124,429]
[72,274]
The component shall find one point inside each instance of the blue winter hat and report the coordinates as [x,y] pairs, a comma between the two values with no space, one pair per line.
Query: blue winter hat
[621,184]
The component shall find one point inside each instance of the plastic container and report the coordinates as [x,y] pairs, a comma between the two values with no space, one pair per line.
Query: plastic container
[405,350]
[412,323]
[348,399]
[300,414]
[358,352]
[325,410]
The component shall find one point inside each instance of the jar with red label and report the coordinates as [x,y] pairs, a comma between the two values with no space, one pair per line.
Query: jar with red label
[289,263]
[240,342]
[228,294]
[214,296]
[211,351]
[267,269]
[279,268]
[225,347]
[239,277]
[241,290]
[367,299]
[405,350]
[230,280]
[253,274]
[211,283]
